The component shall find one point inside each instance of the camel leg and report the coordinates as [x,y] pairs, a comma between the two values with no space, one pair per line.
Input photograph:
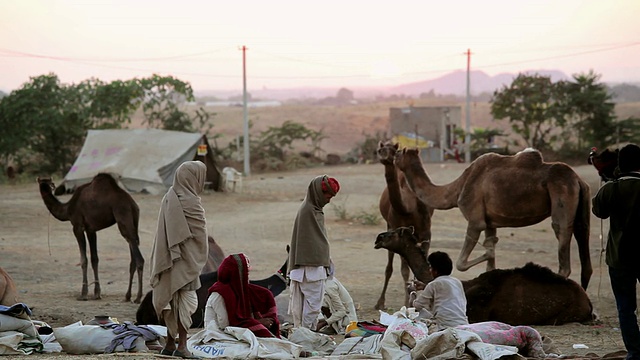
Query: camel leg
[387,275]
[490,241]
[136,265]
[563,234]
[82,246]
[93,248]
[471,239]
[128,229]
[405,271]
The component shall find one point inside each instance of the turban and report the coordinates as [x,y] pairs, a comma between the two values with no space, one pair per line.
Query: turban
[330,185]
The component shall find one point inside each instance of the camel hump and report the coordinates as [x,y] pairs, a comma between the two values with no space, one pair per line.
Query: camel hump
[529,156]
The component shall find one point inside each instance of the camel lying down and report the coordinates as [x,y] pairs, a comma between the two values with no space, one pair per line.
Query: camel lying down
[531,295]
[146,313]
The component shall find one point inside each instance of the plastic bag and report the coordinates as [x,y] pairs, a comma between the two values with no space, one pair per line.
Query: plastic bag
[406,320]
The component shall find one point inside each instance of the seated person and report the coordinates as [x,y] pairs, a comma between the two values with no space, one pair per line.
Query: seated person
[233,301]
[443,299]
[337,307]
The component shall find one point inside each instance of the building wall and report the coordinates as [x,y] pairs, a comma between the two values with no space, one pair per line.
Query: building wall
[433,123]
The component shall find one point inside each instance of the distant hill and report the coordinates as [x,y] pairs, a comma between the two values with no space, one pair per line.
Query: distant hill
[454,83]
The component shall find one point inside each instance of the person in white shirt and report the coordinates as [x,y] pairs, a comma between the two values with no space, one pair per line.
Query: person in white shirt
[443,299]
[338,309]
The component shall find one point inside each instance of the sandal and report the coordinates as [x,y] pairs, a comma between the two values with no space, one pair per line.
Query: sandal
[166,352]
[178,353]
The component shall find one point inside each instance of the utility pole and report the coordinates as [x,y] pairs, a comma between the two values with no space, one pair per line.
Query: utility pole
[247,166]
[467,138]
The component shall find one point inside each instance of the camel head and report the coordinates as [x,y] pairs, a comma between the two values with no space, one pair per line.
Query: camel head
[46,185]
[387,152]
[606,162]
[406,157]
[396,239]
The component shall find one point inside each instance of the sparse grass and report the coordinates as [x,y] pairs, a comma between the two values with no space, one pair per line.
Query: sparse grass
[368,218]
[340,209]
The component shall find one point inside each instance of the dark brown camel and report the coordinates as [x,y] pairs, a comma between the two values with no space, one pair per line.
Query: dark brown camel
[510,191]
[216,255]
[8,291]
[531,295]
[93,207]
[146,314]
[399,206]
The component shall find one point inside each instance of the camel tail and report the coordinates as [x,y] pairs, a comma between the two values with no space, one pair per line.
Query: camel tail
[581,231]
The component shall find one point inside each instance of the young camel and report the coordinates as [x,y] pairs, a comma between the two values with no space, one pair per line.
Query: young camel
[8,291]
[531,295]
[510,191]
[93,207]
[399,206]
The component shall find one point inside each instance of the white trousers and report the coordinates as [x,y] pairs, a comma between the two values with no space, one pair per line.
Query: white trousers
[305,303]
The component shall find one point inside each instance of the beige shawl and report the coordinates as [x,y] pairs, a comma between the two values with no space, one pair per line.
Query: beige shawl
[309,242]
[180,248]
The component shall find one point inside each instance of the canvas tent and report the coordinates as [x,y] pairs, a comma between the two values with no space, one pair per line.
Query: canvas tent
[142,160]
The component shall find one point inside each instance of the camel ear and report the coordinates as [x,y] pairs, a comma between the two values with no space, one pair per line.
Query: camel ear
[288,248]
[380,145]
[412,229]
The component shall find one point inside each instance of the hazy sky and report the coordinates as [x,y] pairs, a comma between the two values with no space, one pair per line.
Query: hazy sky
[313,43]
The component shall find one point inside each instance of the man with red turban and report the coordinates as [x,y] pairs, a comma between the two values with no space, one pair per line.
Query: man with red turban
[309,258]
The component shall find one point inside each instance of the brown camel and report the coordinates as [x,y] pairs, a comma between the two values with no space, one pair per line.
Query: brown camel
[531,295]
[8,291]
[510,191]
[93,207]
[216,255]
[399,206]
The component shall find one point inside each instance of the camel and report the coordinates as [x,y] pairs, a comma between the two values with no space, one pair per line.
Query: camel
[216,255]
[531,295]
[399,206]
[93,207]
[510,191]
[146,314]
[8,291]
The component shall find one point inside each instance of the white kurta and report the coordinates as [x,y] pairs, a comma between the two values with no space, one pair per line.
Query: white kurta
[444,301]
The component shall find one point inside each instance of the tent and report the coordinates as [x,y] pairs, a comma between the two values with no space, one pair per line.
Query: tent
[142,160]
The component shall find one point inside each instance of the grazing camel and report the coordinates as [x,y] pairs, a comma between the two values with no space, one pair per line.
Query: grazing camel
[531,295]
[606,162]
[8,291]
[399,206]
[146,314]
[93,207]
[510,191]
[216,255]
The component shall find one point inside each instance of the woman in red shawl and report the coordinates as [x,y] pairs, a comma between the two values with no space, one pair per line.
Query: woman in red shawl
[248,306]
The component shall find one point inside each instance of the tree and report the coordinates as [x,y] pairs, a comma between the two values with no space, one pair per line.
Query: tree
[46,122]
[530,104]
[589,110]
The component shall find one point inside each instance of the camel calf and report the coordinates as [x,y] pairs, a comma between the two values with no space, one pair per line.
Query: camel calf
[8,291]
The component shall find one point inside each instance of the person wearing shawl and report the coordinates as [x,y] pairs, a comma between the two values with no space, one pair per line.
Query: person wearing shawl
[309,257]
[244,304]
[179,252]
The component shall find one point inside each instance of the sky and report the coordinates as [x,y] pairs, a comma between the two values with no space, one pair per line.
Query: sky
[305,43]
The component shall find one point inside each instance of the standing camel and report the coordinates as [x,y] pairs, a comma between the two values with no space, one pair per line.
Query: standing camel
[8,291]
[510,191]
[531,295]
[93,207]
[399,206]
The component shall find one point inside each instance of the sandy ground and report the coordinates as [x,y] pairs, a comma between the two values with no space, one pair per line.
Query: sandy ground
[42,255]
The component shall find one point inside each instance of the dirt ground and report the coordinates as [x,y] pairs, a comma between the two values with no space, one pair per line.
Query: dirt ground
[41,253]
